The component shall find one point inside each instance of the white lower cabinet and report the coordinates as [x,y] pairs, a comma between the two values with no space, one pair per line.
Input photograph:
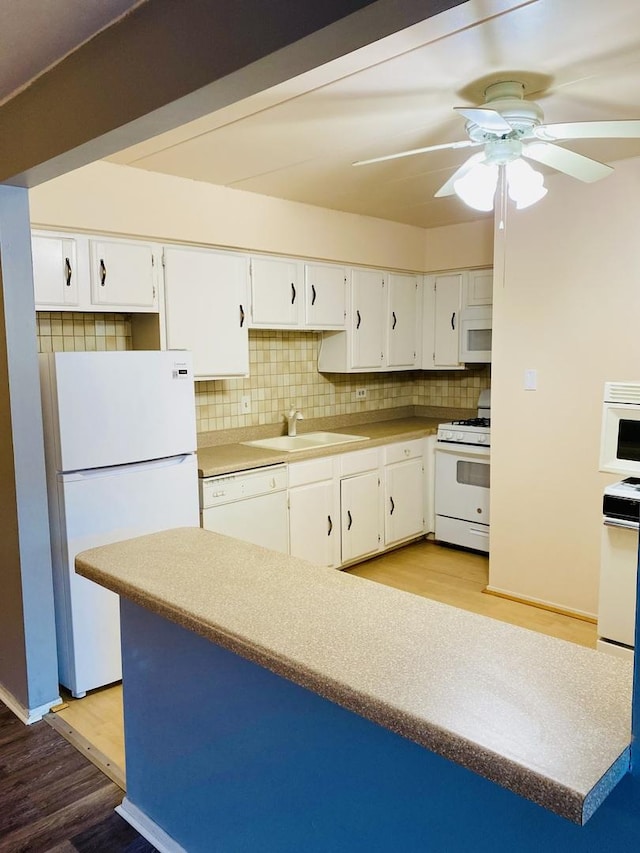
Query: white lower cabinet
[314,512]
[404,501]
[360,512]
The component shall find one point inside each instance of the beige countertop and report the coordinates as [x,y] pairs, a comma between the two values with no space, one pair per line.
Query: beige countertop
[545,718]
[225,458]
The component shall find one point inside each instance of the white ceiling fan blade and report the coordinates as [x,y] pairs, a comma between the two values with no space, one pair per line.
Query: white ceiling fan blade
[465,143]
[447,188]
[485,118]
[576,165]
[589,130]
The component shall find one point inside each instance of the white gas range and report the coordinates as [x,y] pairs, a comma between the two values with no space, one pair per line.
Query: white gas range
[462,479]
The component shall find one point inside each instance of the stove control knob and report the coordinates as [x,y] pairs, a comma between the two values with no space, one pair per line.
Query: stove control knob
[482,439]
[459,436]
[448,434]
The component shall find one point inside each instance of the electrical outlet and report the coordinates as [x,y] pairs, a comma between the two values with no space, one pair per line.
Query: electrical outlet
[361,394]
[245,404]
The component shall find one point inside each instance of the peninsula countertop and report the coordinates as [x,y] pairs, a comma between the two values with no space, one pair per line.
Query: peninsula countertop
[225,458]
[548,719]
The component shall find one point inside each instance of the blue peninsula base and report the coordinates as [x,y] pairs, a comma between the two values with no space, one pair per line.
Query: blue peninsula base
[224,755]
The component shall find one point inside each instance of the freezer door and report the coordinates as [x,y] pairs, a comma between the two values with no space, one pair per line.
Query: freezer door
[96,508]
[113,408]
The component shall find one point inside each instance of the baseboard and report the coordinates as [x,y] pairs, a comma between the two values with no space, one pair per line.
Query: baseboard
[543,605]
[27,715]
[148,828]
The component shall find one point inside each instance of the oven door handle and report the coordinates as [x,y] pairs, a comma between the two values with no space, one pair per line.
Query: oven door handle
[620,522]
[475,451]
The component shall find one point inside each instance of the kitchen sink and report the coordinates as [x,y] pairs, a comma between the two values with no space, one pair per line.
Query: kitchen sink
[306,441]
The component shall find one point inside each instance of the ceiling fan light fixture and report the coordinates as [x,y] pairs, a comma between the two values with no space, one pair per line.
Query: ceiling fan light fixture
[478,187]
[525,185]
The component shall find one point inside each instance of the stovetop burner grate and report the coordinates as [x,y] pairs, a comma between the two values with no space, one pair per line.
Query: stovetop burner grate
[476,422]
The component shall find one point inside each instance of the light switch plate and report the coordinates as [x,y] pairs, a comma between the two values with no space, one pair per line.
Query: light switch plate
[530,379]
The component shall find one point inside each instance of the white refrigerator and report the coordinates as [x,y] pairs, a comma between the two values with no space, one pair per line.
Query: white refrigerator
[120,441]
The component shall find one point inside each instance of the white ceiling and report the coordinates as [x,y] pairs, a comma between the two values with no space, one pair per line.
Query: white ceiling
[579,60]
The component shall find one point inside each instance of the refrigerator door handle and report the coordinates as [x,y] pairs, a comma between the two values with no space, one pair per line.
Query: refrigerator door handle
[114,470]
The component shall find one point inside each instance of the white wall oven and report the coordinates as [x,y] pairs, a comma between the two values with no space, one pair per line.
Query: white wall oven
[462,479]
[620,437]
[619,567]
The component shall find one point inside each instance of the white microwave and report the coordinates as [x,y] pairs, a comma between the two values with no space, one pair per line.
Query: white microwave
[620,436]
[476,328]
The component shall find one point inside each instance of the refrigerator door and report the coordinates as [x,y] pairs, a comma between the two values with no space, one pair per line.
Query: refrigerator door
[114,408]
[96,508]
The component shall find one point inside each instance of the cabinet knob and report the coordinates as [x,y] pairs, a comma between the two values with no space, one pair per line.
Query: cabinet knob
[406,451]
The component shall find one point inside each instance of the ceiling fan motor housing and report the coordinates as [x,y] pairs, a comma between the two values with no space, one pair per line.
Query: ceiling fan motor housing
[507,99]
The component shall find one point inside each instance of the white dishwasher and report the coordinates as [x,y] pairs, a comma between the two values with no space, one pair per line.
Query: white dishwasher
[248,505]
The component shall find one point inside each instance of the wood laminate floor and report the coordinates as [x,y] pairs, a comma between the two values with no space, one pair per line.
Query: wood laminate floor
[53,800]
[95,723]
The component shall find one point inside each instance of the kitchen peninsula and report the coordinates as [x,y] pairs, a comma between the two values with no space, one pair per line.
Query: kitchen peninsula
[274,705]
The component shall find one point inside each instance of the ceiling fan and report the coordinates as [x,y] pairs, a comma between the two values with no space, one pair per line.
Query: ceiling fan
[508,129]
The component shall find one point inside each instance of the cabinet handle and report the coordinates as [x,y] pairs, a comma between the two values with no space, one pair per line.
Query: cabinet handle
[103,272]
[359,319]
[293,293]
[313,295]
[350,519]
[393,506]
[330,527]
[453,321]
[67,268]
[241,316]
[395,319]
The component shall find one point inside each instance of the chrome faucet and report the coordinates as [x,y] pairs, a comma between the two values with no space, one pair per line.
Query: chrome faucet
[292,418]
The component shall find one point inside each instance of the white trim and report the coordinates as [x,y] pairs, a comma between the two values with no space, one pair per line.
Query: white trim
[27,715]
[148,828]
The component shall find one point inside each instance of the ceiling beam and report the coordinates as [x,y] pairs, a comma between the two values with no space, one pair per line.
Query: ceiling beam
[167,63]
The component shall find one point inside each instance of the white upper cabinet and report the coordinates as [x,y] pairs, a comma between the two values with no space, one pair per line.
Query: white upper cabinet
[205,301]
[122,273]
[83,273]
[276,292]
[442,300]
[55,271]
[403,321]
[478,288]
[325,295]
[368,318]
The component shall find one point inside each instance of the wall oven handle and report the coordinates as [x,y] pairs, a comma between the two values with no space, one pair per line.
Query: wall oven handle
[620,522]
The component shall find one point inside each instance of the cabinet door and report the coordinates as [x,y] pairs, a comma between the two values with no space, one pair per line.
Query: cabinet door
[359,507]
[404,501]
[275,293]
[368,320]
[314,525]
[205,297]
[447,298]
[479,288]
[402,327]
[122,274]
[55,271]
[324,296]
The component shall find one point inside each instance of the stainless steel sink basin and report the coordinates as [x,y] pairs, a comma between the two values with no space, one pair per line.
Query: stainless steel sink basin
[306,441]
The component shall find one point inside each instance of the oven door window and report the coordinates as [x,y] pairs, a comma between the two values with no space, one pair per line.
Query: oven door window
[470,473]
[629,440]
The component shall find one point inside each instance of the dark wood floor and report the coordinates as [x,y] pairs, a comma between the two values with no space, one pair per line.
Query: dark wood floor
[52,800]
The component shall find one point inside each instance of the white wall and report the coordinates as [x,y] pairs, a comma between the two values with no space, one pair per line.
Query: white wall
[570,308]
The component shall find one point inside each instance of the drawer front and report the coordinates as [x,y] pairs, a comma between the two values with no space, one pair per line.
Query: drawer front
[311,471]
[403,450]
[359,461]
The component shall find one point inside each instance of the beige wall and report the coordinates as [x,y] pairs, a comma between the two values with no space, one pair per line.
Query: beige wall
[569,308]
[469,244]
[124,200]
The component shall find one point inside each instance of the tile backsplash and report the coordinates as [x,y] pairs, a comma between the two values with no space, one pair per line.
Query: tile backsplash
[66,331]
[283,373]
